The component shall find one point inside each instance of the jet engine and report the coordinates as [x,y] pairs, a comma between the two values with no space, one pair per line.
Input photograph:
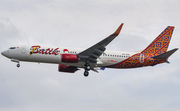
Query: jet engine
[67,68]
[69,58]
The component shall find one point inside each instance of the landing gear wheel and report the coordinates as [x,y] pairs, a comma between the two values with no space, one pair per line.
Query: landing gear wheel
[87,66]
[86,73]
[18,65]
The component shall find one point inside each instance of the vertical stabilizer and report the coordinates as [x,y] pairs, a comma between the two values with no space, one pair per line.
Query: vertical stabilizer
[161,43]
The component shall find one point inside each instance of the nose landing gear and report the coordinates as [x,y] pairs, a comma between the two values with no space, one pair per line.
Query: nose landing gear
[17,61]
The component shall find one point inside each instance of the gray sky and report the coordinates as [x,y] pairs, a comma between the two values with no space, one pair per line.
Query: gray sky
[80,23]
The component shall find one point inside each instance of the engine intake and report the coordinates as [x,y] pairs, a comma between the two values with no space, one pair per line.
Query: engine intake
[69,58]
[67,68]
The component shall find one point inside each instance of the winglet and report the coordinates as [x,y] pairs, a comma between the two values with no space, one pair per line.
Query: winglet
[116,33]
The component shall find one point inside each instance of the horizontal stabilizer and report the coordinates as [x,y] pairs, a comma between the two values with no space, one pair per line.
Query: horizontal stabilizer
[166,54]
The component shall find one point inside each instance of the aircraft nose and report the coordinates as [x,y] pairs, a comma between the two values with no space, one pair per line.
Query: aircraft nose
[5,53]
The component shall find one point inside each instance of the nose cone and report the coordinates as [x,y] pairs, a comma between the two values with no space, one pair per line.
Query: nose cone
[5,53]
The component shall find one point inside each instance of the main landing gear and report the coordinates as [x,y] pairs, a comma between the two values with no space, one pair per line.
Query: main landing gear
[87,67]
[86,73]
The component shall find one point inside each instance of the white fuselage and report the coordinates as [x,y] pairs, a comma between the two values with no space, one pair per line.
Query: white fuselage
[46,54]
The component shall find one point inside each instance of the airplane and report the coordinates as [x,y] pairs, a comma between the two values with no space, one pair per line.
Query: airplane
[95,57]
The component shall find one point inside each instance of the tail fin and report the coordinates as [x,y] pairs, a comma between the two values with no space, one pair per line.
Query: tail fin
[161,43]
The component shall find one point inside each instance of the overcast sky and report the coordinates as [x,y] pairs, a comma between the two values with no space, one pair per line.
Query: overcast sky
[82,23]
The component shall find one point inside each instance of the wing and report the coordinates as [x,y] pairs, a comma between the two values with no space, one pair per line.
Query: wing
[92,53]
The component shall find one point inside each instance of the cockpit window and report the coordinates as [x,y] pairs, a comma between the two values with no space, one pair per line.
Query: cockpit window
[12,48]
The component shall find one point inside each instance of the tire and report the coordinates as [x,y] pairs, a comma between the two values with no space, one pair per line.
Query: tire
[18,65]
[87,67]
[86,73]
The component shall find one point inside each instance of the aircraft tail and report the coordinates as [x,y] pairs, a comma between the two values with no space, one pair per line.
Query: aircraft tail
[160,44]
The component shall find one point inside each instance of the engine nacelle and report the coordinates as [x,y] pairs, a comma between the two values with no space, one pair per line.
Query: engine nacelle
[69,58]
[66,68]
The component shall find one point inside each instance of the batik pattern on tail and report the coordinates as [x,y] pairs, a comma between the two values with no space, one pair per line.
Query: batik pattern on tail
[158,46]
[161,43]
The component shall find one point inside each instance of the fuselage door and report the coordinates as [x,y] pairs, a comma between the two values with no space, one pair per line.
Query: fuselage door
[23,50]
[23,54]
[141,58]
